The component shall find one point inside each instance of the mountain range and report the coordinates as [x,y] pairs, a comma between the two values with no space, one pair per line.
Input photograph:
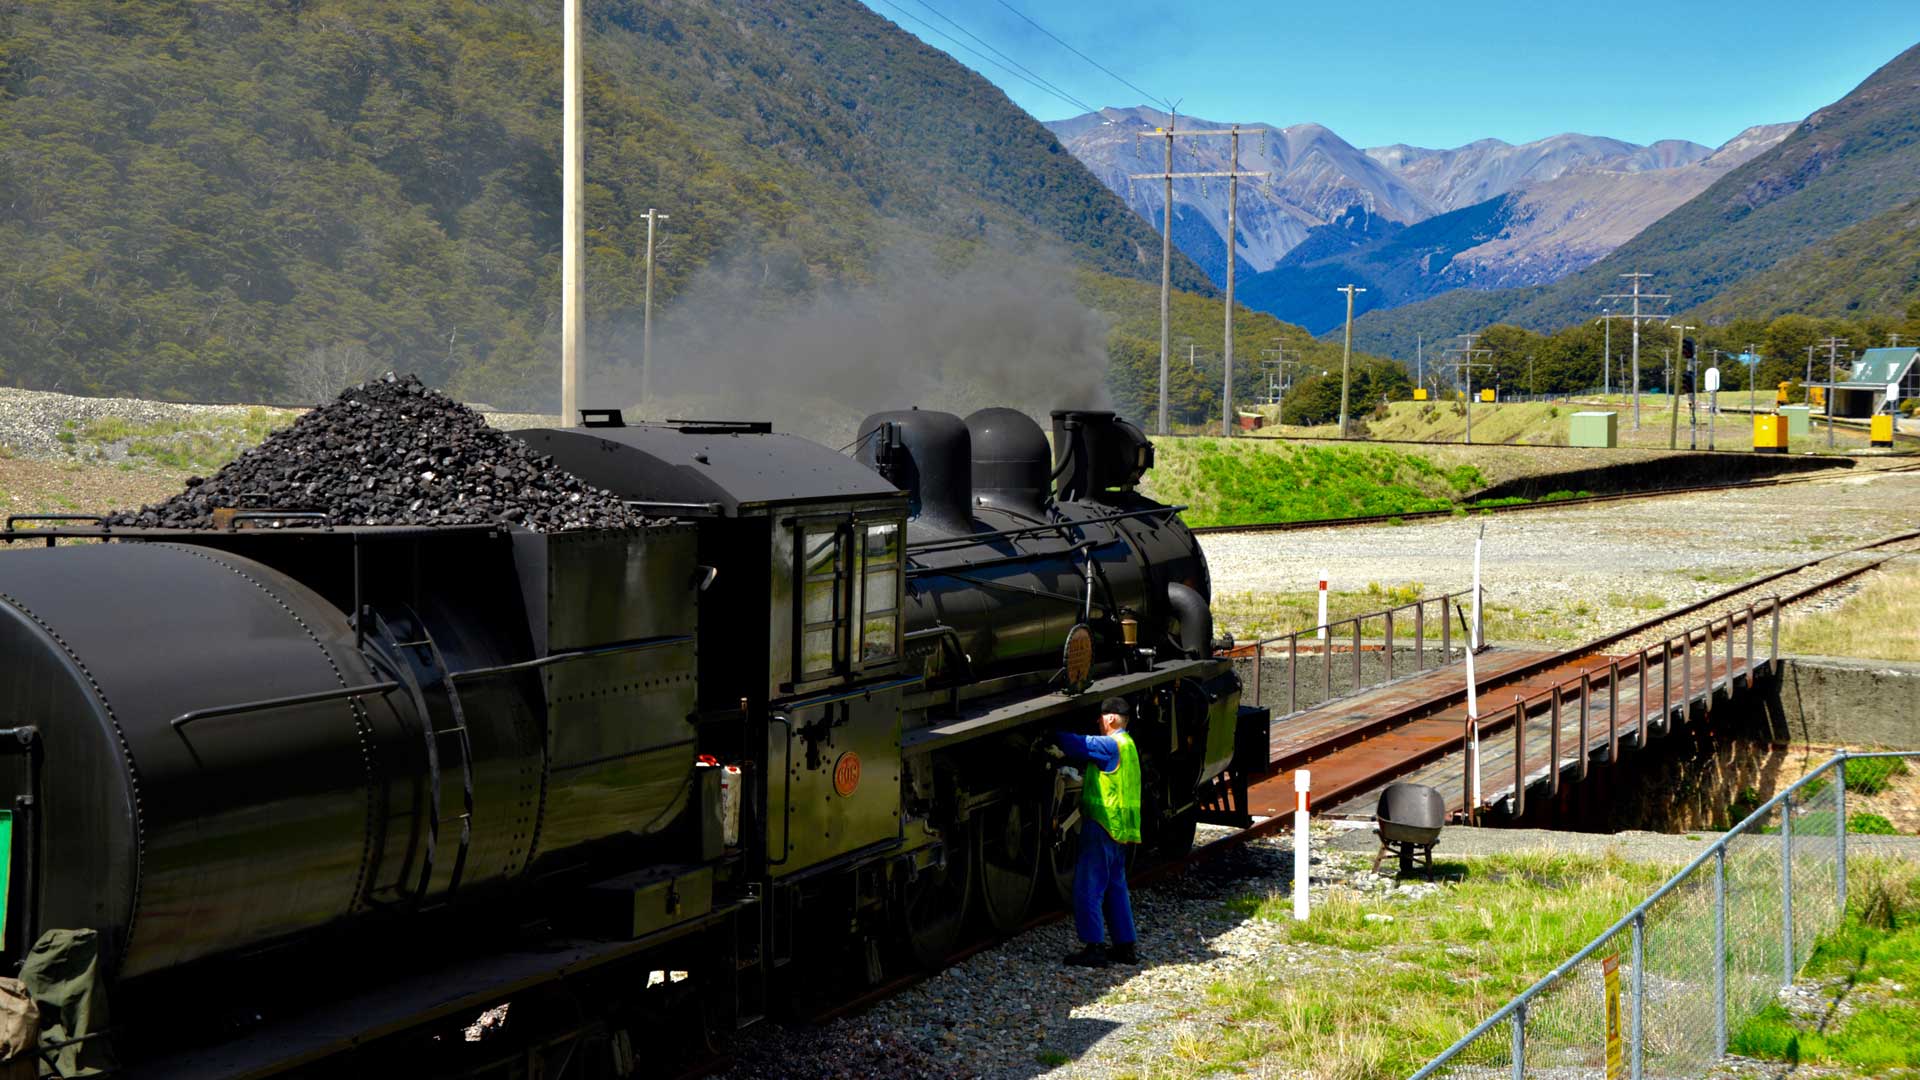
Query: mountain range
[195,197]
[1821,223]
[1495,214]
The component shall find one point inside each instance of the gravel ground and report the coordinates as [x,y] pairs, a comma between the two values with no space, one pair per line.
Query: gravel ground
[1016,1011]
[1622,562]
[31,420]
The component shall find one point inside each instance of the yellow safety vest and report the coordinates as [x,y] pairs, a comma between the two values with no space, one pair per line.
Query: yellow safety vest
[1112,799]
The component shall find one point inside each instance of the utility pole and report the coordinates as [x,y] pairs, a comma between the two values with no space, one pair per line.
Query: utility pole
[1346,357]
[1277,383]
[1419,361]
[1233,175]
[1673,400]
[646,317]
[1636,318]
[1834,345]
[1466,352]
[1606,352]
[573,226]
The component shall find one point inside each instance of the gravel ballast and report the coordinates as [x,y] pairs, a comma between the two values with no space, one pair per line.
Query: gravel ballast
[393,452]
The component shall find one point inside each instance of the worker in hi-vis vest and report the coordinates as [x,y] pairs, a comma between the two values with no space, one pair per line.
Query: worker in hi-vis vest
[1109,820]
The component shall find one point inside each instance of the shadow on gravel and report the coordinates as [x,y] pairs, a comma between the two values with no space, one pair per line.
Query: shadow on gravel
[1014,1011]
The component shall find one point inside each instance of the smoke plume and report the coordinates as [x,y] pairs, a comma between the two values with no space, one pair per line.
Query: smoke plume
[921,334]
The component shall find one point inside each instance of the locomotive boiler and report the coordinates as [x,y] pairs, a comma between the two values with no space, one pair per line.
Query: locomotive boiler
[344,787]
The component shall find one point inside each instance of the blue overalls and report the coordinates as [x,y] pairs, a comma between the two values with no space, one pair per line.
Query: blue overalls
[1100,876]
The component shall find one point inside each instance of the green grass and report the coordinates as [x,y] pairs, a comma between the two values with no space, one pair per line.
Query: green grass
[199,445]
[1245,481]
[1870,776]
[1434,967]
[1872,963]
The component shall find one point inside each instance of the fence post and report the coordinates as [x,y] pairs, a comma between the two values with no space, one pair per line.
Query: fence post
[1586,699]
[1749,646]
[1720,950]
[1420,636]
[1707,663]
[1639,991]
[1446,631]
[1519,757]
[1729,679]
[1786,891]
[1640,705]
[1553,743]
[1773,653]
[1686,675]
[1666,684]
[1613,711]
[1259,648]
[1389,618]
[1356,653]
[1840,837]
[1293,672]
[1326,667]
[1519,1022]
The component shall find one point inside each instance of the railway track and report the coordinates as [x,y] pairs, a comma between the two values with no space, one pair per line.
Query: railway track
[1555,504]
[1801,582]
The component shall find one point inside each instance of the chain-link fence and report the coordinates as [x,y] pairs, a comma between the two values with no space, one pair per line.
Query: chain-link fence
[1658,993]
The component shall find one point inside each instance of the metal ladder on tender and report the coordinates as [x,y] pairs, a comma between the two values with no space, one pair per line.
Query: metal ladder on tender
[428,672]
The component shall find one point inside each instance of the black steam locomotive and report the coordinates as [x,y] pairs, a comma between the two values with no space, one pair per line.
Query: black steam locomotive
[324,794]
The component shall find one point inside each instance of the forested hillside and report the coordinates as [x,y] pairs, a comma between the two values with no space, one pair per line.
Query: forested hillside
[238,199]
[1872,268]
[1847,163]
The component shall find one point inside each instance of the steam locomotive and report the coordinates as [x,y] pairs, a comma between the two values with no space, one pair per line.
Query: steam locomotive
[324,794]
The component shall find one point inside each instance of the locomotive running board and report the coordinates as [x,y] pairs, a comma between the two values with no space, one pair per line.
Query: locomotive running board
[985,716]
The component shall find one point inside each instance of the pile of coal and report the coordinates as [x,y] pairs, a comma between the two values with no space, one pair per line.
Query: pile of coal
[393,452]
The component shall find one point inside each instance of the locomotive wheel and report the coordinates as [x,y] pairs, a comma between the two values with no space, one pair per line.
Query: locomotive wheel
[1008,840]
[935,908]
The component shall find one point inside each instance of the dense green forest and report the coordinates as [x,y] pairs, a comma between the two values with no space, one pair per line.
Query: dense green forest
[1569,359]
[246,199]
[1872,268]
[1846,164]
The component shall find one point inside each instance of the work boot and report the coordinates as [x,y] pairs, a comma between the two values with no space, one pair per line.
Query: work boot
[1092,956]
[1124,953]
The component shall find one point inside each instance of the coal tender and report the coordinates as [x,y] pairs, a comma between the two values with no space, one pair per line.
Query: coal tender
[314,795]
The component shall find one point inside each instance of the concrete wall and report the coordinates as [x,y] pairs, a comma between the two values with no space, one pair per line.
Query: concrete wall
[1838,701]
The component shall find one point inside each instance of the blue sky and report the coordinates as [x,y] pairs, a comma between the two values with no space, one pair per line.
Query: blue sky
[1438,74]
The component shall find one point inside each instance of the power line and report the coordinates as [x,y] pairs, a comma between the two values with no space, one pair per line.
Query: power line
[1057,92]
[932,29]
[1151,97]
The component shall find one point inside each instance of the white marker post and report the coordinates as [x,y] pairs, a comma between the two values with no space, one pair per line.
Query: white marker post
[1473,631]
[1302,784]
[1322,632]
[1473,690]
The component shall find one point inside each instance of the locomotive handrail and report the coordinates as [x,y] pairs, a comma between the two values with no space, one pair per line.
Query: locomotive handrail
[1052,526]
[315,698]
[832,696]
[636,645]
[105,526]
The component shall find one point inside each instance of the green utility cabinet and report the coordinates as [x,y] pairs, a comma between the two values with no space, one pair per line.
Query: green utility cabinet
[1797,423]
[1593,429]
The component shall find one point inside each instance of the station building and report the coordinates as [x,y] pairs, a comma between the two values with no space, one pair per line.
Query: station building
[1880,377]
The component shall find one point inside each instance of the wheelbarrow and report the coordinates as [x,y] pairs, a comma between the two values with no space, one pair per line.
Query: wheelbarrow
[1409,818]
